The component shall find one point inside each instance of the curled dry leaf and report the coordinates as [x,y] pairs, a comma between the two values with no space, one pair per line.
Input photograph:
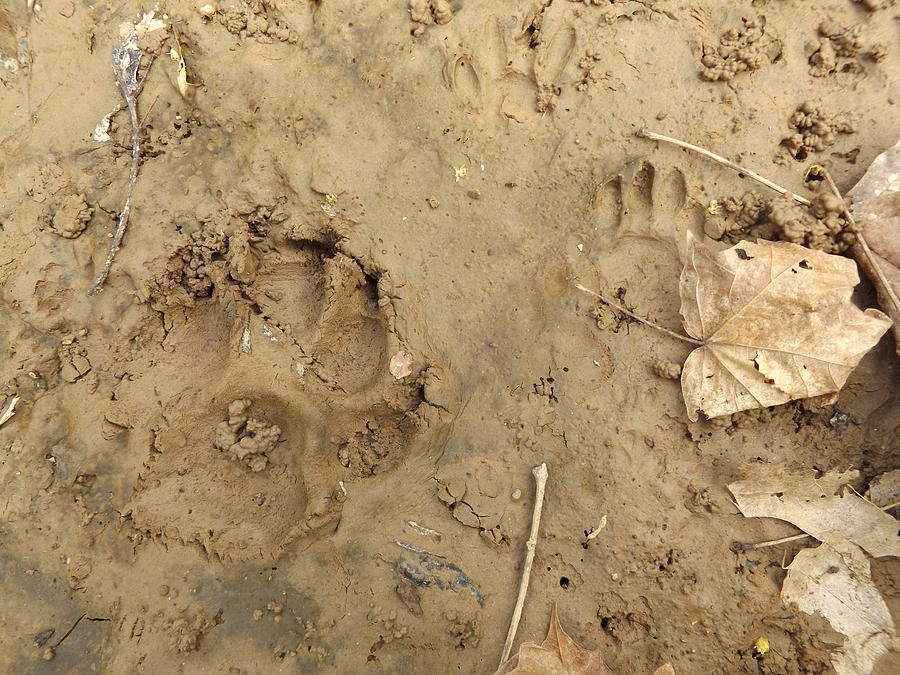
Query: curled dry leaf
[776,322]
[836,584]
[876,206]
[818,506]
[834,579]
[181,78]
[556,655]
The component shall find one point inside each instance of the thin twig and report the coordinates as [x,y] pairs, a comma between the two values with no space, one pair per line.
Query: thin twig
[868,262]
[147,114]
[774,542]
[69,632]
[540,478]
[122,223]
[638,318]
[722,160]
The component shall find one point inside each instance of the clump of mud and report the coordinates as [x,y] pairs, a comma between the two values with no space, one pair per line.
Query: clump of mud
[821,226]
[246,439]
[257,19]
[740,51]
[814,130]
[837,49]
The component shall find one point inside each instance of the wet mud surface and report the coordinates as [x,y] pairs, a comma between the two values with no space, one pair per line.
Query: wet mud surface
[211,460]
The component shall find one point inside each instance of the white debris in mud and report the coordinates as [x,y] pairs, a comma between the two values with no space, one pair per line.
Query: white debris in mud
[401,365]
[130,32]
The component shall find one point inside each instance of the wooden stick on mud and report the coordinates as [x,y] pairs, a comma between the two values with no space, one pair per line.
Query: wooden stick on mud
[122,223]
[636,317]
[540,478]
[643,133]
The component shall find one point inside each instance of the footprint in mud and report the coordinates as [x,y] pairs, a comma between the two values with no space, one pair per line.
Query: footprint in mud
[460,75]
[550,65]
[498,73]
[645,202]
[270,394]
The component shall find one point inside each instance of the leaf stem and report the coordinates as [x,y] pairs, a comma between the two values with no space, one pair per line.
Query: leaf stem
[638,318]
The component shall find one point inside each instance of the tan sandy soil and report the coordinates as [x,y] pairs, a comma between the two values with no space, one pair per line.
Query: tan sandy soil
[212,455]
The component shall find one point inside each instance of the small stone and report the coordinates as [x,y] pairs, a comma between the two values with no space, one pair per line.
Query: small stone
[433,202]
[163,590]
[49,654]
[516,495]
[257,614]
[474,194]
[276,607]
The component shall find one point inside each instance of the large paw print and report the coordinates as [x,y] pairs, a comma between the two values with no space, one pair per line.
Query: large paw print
[271,393]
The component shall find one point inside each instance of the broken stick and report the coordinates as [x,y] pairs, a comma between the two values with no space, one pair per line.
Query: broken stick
[540,478]
[125,65]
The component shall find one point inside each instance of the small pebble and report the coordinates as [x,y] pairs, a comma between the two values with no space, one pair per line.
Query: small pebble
[257,614]
[433,202]
[516,495]
[163,590]
[474,194]
[49,654]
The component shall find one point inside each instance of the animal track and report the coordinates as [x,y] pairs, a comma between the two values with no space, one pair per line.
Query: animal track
[644,202]
[509,72]
[311,314]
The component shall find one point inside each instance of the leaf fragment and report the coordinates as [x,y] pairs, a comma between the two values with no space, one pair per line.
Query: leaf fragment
[876,206]
[557,654]
[777,324]
[836,584]
[181,77]
[816,506]
[833,580]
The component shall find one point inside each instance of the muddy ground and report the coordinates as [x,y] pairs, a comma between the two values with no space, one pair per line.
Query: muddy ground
[212,461]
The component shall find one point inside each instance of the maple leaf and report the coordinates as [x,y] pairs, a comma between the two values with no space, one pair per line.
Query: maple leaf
[775,322]
[557,655]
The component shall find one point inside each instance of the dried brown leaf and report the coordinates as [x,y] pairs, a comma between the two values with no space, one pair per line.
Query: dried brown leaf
[836,583]
[557,655]
[777,324]
[834,579]
[876,207]
[817,506]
